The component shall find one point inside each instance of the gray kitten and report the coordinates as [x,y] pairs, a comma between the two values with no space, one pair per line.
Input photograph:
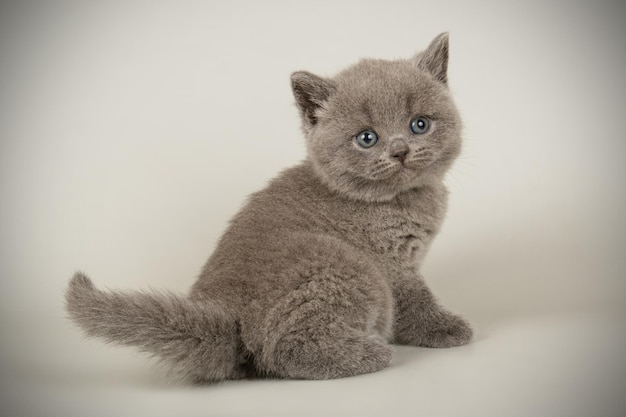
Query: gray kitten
[319,272]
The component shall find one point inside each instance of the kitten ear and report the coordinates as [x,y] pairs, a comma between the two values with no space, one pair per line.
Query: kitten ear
[310,92]
[434,59]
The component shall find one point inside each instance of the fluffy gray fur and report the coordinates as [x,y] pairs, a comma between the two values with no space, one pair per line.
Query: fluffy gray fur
[319,272]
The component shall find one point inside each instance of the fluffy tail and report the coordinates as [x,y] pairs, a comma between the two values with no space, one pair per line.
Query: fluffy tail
[197,340]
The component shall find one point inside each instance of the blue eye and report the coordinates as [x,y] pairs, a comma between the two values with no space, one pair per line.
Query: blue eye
[366,139]
[419,125]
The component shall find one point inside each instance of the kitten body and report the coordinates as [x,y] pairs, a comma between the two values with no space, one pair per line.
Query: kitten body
[319,272]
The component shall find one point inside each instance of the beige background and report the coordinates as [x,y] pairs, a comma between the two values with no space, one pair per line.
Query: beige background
[131,131]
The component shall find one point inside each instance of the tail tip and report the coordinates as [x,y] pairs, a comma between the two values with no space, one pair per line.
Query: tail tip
[78,294]
[81,281]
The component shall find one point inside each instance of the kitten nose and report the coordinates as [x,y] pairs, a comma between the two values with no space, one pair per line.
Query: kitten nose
[398,149]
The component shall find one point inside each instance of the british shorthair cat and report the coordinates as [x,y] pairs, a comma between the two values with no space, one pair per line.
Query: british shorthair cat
[320,271]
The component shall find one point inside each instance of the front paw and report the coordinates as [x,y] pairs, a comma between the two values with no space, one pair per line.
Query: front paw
[445,330]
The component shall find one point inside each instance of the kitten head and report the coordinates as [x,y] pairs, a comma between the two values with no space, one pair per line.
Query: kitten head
[381,127]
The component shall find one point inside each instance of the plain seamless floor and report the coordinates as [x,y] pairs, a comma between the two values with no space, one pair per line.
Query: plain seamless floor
[131,131]
[545,365]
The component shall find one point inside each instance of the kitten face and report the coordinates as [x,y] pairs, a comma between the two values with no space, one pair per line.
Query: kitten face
[381,127]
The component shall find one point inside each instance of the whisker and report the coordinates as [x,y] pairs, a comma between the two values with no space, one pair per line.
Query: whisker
[382,169]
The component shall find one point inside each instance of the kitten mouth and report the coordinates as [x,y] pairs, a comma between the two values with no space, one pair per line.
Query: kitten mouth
[409,171]
[400,171]
[386,171]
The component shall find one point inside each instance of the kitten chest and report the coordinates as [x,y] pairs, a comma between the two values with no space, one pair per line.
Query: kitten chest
[399,231]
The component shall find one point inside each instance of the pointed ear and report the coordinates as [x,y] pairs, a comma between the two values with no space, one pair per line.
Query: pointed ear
[434,59]
[310,92]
